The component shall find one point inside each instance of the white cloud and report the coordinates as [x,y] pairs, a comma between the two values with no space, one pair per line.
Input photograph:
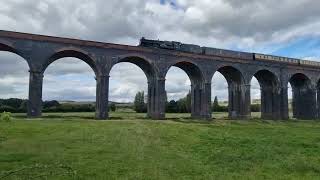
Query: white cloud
[250,25]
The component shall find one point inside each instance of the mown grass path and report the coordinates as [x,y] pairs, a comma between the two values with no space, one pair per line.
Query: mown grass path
[73,146]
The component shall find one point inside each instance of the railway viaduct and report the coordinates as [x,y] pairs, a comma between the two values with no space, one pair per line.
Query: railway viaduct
[200,63]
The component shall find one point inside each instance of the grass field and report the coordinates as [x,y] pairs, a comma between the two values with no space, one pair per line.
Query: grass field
[129,146]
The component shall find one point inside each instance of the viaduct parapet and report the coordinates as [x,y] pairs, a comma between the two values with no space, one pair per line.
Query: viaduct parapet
[155,58]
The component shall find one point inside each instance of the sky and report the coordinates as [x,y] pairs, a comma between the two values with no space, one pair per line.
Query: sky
[286,28]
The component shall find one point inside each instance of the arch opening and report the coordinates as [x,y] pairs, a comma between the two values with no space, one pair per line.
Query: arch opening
[69,86]
[128,81]
[269,94]
[290,110]
[144,85]
[237,93]
[191,100]
[71,54]
[143,64]
[178,93]
[14,82]
[220,96]
[255,94]
[303,97]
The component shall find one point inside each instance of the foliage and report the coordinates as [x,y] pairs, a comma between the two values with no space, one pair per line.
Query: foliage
[172,107]
[12,102]
[71,107]
[215,103]
[20,106]
[221,109]
[13,105]
[183,105]
[217,108]
[112,107]
[5,108]
[139,105]
[255,108]
[5,117]
[50,104]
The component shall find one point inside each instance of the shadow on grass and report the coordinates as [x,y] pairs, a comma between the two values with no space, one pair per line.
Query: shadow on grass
[66,116]
[189,120]
[115,118]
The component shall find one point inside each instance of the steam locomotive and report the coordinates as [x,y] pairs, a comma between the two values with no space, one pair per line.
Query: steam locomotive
[191,48]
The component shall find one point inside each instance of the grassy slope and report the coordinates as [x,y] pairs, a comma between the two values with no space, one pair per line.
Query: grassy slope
[131,147]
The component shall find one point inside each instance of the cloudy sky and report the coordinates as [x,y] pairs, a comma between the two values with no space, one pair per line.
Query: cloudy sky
[286,28]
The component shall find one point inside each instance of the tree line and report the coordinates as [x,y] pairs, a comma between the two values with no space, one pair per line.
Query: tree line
[15,105]
[182,105]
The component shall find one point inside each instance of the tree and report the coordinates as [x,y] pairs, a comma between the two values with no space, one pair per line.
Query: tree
[23,106]
[139,104]
[172,107]
[183,105]
[217,108]
[216,104]
[113,107]
[50,104]
[188,102]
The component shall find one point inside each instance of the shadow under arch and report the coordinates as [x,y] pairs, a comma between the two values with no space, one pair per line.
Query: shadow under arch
[303,97]
[270,94]
[199,108]
[72,53]
[238,92]
[145,65]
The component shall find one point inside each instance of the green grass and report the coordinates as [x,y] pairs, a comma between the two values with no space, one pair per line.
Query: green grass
[129,146]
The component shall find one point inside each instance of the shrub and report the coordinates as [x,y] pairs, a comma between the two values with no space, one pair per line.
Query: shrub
[255,107]
[220,109]
[113,107]
[5,117]
[139,105]
[6,108]
[50,104]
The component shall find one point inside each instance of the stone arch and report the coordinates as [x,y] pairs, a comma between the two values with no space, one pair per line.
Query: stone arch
[142,62]
[270,93]
[303,96]
[193,71]
[238,91]
[150,72]
[200,95]
[74,53]
[232,74]
[6,46]
[82,56]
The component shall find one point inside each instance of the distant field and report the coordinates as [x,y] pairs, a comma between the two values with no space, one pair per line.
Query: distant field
[129,146]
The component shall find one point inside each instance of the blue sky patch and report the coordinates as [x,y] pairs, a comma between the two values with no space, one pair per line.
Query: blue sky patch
[301,48]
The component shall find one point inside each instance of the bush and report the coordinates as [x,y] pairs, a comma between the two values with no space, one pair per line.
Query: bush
[139,105]
[5,108]
[113,107]
[255,108]
[5,117]
[50,104]
[220,109]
